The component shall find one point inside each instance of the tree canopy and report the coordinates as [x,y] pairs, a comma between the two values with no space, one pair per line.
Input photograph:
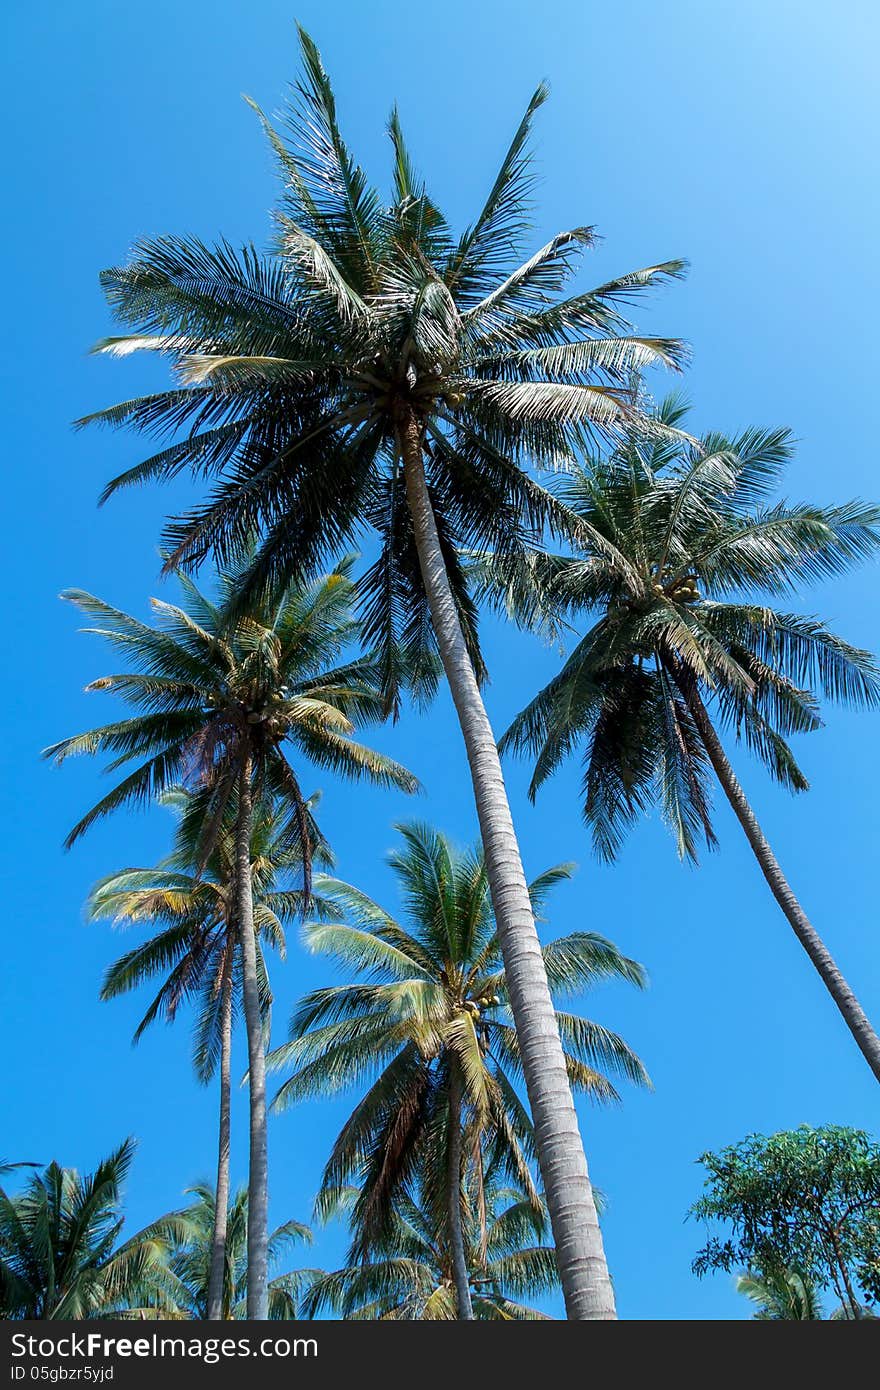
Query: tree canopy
[804,1199]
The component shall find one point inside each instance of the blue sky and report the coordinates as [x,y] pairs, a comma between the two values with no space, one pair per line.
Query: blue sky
[742,136]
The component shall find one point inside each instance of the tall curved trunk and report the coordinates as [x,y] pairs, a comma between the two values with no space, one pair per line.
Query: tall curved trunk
[854,1015]
[258,1174]
[579,1250]
[464,1307]
[221,1191]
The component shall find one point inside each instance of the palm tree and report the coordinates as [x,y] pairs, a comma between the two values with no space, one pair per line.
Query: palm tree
[692,545]
[218,703]
[196,951]
[432,1020]
[410,1277]
[786,1296]
[380,371]
[844,1312]
[59,1250]
[191,1260]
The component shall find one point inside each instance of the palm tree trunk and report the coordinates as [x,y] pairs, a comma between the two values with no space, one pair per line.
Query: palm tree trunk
[453,1197]
[855,1017]
[579,1250]
[258,1176]
[221,1191]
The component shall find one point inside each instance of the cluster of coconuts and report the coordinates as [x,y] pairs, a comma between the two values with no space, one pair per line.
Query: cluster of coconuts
[683,591]
[489,1001]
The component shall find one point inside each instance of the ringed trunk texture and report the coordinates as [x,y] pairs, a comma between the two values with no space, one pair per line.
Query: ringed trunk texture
[463,1304]
[579,1250]
[854,1015]
[258,1171]
[221,1192]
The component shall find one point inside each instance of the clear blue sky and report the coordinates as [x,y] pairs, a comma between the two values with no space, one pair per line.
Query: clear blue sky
[740,135]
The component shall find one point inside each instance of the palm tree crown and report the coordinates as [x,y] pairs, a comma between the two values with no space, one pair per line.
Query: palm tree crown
[190,1259]
[60,1255]
[433,1004]
[295,372]
[783,1296]
[690,544]
[409,1276]
[197,947]
[208,691]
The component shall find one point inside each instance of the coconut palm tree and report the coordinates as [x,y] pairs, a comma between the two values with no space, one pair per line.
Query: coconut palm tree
[191,1260]
[684,643]
[379,370]
[196,952]
[432,1019]
[786,1296]
[60,1255]
[218,705]
[409,1276]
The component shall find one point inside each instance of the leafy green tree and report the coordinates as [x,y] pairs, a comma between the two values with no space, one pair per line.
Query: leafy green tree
[218,706]
[196,951]
[380,371]
[432,1016]
[683,642]
[805,1200]
[60,1252]
[191,1260]
[409,1276]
